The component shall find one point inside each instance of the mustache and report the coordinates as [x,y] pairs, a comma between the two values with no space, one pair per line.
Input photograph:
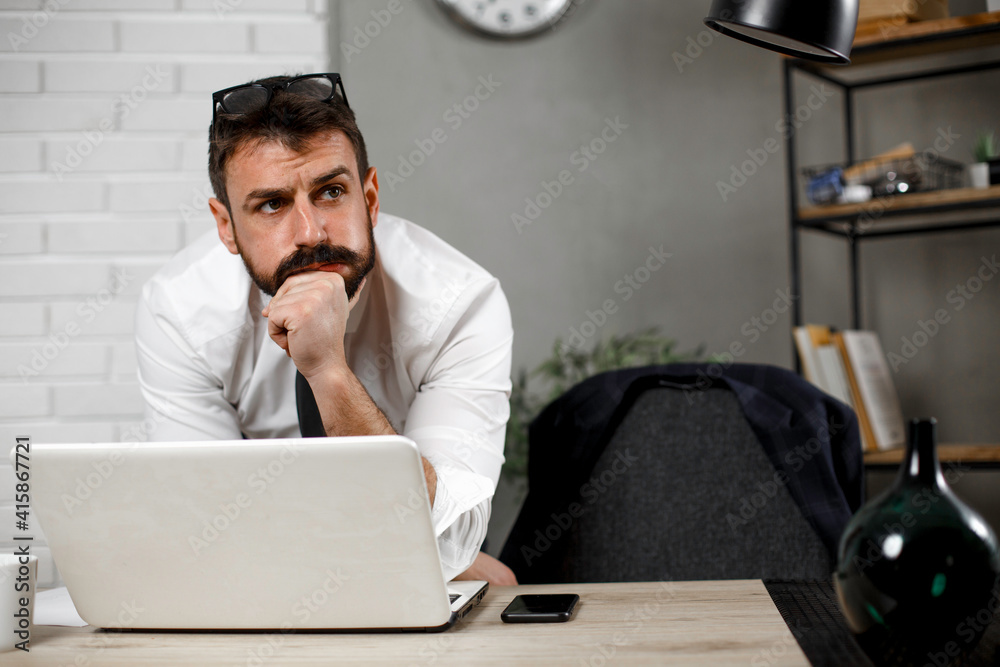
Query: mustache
[320,254]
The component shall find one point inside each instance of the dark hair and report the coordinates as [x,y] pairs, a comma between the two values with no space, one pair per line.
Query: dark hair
[290,119]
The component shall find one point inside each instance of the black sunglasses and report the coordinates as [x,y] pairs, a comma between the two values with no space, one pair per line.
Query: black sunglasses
[250,97]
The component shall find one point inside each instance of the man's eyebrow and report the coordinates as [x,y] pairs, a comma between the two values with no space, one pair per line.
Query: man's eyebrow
[278,193]
[266,195]
[329,176]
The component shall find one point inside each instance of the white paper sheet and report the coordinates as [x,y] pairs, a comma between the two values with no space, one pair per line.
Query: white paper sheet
[55,607]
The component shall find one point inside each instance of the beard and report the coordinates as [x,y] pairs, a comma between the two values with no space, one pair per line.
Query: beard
[359,263]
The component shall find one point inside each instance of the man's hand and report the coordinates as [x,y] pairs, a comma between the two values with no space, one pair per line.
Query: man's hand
[488,568]
[307,318]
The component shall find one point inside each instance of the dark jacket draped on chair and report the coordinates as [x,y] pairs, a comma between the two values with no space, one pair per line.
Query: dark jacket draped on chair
[811,440]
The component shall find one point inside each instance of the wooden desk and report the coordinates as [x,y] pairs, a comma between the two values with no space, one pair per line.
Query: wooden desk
[662,623]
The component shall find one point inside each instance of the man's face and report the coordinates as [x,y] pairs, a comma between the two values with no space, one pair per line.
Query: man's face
[294,212]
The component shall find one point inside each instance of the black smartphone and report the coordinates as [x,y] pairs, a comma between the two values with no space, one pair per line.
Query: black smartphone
[540,608]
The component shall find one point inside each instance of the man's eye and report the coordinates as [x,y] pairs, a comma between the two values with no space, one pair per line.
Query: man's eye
[332,192]
[270,206]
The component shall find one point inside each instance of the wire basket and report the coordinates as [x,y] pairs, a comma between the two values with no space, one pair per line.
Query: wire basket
[919,173]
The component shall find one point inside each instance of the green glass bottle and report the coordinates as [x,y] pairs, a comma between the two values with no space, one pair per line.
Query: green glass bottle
[917,571]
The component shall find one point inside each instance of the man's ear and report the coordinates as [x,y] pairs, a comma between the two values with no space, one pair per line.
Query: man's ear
[224,223]
[371,194]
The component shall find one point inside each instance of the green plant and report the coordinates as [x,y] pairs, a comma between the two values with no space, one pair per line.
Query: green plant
[986,148]
[568,366]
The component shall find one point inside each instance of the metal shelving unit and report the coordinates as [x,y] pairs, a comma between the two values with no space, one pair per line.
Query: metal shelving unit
[874,219]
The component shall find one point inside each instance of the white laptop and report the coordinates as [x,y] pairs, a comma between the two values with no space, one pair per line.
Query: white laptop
[294,534]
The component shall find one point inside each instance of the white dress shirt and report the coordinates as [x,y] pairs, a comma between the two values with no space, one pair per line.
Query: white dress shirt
[430,339]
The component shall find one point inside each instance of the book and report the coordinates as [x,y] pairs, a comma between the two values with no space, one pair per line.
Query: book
[823,365]
[835,373]
[875,397]
[851,367]
[807,355]
[868,442]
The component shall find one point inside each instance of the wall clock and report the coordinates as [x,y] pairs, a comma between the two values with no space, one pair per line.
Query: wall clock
[508,19]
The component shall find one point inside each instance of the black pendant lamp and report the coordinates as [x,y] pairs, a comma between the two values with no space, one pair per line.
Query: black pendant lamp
[820,30]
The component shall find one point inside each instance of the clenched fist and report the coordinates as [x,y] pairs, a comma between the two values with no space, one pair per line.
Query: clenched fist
[307,318]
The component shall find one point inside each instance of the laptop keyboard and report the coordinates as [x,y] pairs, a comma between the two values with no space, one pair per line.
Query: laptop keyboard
[452,597]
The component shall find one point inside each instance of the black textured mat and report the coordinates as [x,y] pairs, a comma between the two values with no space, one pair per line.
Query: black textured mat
[813,616]
[811,612]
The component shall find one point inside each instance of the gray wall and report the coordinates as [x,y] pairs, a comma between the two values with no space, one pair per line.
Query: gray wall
[656,184]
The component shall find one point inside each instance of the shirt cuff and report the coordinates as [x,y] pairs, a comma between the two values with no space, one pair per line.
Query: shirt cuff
[457,492]
[460,515]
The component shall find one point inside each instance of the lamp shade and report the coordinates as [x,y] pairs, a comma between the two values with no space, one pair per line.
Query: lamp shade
[821,30]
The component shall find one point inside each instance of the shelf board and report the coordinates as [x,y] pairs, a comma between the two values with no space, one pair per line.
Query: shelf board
[917,202]
[882,41]
[953,453]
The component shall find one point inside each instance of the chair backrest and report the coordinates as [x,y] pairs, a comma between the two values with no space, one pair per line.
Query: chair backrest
[684,491]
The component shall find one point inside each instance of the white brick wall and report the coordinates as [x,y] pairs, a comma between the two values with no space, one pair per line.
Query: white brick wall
[20,155]
[105,75]
[58,33]
[37,113]
[22,319]
[42,193]
[20,77]
[25,238]
[185,36]
[104,108]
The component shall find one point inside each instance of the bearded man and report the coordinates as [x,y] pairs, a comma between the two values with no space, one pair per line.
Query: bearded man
[318,316]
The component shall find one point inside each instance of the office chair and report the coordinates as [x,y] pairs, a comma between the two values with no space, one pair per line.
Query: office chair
[678,485]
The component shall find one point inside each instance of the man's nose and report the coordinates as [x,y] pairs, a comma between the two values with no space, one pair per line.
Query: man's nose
[309,229]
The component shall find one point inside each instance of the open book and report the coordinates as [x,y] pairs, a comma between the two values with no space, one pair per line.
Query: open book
[851,366]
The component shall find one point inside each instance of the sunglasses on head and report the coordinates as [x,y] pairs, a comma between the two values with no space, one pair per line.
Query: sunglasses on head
[250,97]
